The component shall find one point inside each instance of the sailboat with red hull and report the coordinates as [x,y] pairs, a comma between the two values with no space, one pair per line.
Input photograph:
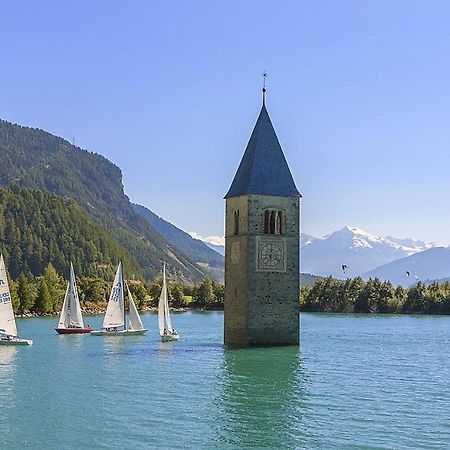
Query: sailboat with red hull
[71,319]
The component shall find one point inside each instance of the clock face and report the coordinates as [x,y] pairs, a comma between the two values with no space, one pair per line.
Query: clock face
[270,255]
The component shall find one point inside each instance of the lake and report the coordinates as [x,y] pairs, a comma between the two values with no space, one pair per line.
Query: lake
[357,381]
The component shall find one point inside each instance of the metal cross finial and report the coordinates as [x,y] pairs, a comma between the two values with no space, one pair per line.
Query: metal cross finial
[264,90]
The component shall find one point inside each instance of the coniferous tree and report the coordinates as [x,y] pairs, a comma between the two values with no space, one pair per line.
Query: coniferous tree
[139,295]
[177,295]
[24,294]
[55,285]
[43,303]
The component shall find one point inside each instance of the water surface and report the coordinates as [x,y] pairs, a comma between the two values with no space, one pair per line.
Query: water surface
[357,381]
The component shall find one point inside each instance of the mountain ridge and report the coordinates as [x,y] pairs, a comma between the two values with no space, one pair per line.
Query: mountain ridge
[36,159]
[359,250]
[194,249]
[430,264]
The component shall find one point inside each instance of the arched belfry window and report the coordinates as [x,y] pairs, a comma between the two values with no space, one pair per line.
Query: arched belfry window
[266,221]
[278,222]
[236,222]
[273,221]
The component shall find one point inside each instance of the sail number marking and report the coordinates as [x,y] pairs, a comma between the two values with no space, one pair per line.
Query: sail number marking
[116,292]
[5,298]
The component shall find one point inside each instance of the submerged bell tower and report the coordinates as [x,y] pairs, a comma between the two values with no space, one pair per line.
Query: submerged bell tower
[262,228]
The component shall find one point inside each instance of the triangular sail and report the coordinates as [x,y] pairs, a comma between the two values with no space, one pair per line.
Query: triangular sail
[63,318]
[7,320]
[163,308]
[162,303]
[135,322]
[114,316]
[76,319]
[167,314]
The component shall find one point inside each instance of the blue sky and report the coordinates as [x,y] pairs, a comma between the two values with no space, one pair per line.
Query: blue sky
[358,92]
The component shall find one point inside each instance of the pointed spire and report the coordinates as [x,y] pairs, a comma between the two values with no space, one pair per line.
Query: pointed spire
[264,90]
[263,169]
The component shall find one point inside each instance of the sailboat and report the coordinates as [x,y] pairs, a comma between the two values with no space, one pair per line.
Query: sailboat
[8,329]
[71,320]
[114,322]
[166,330]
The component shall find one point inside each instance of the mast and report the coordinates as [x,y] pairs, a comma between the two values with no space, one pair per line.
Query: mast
[123,294]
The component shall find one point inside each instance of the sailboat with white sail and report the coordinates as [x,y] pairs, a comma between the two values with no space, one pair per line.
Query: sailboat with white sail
[8,328]
[115,320]
[166,330]
[71,319]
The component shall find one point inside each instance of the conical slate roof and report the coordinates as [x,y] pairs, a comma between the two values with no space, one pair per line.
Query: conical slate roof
[263,169]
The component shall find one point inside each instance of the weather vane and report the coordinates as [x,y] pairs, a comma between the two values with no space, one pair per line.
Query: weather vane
[264,90]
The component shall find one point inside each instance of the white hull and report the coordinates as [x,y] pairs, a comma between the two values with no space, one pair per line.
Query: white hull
[118,333]
[16,341]
[170,337]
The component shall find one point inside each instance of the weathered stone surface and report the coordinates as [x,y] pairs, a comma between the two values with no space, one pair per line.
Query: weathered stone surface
[261,306]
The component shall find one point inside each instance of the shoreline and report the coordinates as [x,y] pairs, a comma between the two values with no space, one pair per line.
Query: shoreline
[153,309]
[100,311]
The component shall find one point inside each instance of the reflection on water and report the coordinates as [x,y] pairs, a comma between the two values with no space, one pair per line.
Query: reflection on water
[7,390]
[263,398]
[7,360]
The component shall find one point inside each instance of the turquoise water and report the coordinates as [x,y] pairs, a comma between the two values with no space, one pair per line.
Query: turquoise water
[355,382]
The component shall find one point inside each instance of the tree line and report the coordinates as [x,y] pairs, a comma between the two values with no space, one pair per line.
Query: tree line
[374,296]
[45,294]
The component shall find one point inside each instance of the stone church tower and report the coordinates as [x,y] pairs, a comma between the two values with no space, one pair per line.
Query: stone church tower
[262,229]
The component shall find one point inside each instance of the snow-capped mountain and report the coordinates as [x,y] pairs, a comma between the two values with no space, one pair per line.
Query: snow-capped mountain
[411,245]
[359,250]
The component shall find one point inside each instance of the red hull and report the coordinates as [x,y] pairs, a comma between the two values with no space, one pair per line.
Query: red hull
[73,330]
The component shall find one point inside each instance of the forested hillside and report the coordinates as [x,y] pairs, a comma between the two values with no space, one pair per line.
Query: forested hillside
[36,159]
[194,249]
[38,228]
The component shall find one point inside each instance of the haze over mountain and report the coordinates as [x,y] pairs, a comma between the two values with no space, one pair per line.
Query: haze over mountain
[359,250]
[429,265]
[195,249]
[217,243]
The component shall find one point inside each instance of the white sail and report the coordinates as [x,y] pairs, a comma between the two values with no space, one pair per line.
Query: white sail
[164,320]
[135,322]
[63,322]
[76,319]
[167,314]
[114,316]
[7,320]
[162,303]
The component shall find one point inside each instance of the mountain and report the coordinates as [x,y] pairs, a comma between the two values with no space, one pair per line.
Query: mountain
[217,243]
[356,248]
[307,279]
[39,227]
[194,249]
[36,159]
[411,245]
[218,248]
[431,264]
